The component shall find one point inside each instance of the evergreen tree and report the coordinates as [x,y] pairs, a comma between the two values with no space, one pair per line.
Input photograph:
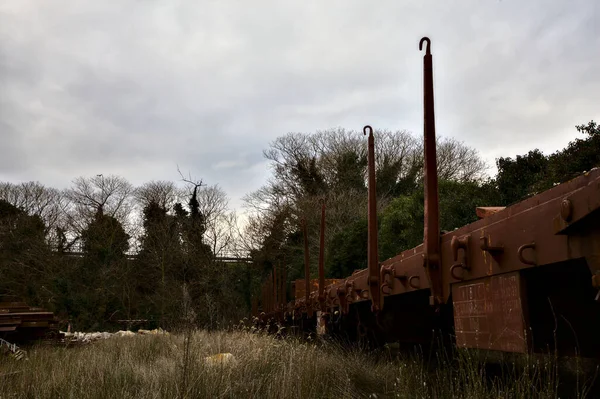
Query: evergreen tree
[526,174]
[580,155]
[24,254]
[104,240]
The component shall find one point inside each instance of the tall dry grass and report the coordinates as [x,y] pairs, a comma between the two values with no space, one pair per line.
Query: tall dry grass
[265,367]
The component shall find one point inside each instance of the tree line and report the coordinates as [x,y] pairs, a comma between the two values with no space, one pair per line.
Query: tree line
[332,165]
[103,254]
[72,251]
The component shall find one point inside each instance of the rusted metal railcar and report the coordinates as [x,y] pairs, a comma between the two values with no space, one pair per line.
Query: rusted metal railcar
[524,278]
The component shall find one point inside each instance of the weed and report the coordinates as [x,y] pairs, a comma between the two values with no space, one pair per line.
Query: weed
[265,367]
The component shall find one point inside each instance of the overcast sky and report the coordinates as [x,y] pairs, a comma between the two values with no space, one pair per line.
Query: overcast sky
[136,88]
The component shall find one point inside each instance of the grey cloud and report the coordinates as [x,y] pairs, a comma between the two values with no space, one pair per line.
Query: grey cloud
[136,88]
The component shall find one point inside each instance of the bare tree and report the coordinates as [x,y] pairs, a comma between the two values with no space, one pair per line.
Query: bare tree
[112,195]
[335,163]
[456,161]
[163,193]
[221,234]
[35,199]
[220,221]
[213,202]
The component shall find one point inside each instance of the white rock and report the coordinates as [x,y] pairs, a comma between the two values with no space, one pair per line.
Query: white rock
[156,331]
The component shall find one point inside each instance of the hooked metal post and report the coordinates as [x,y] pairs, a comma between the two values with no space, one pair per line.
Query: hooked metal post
[322,259]
[263,299]
[431,238]
[263,302]
[285,285]
[254,302]
[268,295]
[306,270]
[275,288]
[282,298]
[372,257]
[271,293]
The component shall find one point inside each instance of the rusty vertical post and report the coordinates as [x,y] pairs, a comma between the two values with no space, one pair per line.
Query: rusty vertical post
[372,258]
[262,299]
[265,296]
[282,291]
[306,270]
[270,291]
[322,259]
[431,238]
[275,287]
[280,300]
[268,294]
[254,305]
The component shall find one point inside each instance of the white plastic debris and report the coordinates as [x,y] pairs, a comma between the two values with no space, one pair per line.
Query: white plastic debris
[13,350]
[125,333]
[96,336]
[156,331]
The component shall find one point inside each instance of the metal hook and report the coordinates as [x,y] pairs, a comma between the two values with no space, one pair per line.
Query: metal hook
[428,48]
[368,128]
[522,259]
[412,285]
[454,267]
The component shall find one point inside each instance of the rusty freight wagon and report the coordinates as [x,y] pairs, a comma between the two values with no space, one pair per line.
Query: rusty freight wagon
[524,278]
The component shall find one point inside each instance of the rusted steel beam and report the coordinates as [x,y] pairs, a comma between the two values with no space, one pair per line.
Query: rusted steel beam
[306,269]
[321,296]
[20,322]
[372,257]
[485,211]
[431,237]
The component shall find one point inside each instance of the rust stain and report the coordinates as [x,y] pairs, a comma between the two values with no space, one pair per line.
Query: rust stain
[488,314]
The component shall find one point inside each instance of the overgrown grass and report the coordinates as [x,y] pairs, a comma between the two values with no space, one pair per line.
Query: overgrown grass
[266,367]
